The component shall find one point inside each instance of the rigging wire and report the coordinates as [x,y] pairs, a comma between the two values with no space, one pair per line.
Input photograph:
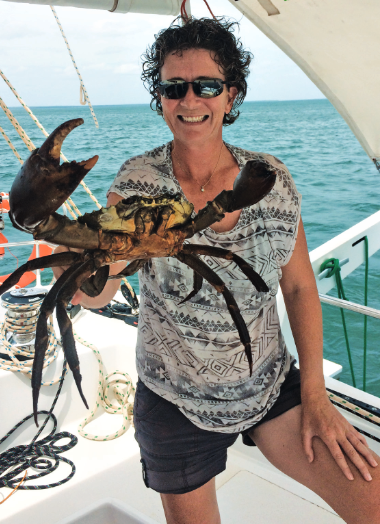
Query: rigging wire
[83,91]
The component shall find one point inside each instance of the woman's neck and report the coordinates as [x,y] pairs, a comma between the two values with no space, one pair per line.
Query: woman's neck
[198,161]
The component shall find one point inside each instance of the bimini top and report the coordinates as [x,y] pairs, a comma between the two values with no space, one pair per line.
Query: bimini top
[337,44]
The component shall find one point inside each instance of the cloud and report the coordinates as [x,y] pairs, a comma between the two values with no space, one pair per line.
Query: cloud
[107,47]
[127,69]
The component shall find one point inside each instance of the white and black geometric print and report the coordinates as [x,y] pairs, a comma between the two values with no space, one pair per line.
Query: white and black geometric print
[191,354]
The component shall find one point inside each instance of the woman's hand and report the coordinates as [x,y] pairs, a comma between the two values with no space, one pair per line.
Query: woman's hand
[81,298]
[321,419]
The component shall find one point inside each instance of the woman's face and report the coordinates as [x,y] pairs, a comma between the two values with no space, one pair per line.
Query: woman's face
[194,119]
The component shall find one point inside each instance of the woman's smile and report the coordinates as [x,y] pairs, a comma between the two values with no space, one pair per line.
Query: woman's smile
[193,118]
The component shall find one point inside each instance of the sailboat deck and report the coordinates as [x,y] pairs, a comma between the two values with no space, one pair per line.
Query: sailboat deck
[250,490]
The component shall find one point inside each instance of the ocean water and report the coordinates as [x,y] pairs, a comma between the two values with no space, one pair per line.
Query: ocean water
[339,184]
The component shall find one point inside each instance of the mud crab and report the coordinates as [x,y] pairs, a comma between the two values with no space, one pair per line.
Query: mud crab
[135,230]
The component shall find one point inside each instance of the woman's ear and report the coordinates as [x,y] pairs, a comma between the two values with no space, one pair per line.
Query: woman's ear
[232,94]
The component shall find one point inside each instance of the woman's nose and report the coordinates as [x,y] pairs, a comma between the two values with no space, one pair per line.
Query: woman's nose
[190,98]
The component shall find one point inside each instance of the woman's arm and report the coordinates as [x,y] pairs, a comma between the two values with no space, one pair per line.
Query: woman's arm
[110,288]
[319,416]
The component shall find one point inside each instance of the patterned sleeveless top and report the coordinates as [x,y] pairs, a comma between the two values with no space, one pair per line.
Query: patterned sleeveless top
[191,354]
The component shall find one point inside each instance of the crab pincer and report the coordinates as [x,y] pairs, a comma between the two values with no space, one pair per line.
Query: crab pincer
[42,184]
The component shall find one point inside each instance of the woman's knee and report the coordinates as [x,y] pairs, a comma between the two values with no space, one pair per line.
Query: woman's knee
[196,507]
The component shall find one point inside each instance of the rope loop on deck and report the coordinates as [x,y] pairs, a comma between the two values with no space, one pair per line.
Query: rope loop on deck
[43,455]
[116,384]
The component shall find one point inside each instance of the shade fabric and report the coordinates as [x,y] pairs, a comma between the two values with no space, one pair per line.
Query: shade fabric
[337,44]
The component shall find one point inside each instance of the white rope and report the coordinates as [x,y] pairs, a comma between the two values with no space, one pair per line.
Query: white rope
[8,141]
[86,98]
[115,391]
[120,388]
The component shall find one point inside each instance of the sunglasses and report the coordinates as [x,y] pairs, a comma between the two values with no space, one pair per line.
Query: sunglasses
[176,89]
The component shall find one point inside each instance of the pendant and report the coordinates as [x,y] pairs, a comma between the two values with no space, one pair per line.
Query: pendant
[202,188]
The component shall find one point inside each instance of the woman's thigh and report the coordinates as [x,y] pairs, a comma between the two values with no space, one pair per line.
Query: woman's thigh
[357,501]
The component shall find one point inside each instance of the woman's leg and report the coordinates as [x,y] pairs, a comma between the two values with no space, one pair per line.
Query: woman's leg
[197,507]
[357,501]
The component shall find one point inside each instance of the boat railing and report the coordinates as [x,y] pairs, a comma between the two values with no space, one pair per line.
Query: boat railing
[36,243]
[352,306]
[349,248]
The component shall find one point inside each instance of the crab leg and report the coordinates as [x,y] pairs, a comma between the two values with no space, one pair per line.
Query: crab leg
[60,259]
[94,285]
[219,252]
[197,284]
[212,278]
[66,329]
[41,344]
[131,269]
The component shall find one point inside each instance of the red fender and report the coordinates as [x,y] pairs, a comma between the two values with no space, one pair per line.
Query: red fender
[29,276]
[3,240]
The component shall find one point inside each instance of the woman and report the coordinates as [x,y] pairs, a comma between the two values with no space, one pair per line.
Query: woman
[195,394]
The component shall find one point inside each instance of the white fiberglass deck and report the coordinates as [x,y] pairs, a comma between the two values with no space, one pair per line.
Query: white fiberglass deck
[250,490]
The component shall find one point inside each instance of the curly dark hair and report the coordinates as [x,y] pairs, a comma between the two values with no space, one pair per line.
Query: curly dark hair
[205,33]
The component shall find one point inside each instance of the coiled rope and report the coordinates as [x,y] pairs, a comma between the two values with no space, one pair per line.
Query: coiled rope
[83,95]
[118,383]
[41,454]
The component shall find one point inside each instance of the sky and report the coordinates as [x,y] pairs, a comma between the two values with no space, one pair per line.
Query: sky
[107,48]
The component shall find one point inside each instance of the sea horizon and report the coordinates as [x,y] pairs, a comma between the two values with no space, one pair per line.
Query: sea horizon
[146,104]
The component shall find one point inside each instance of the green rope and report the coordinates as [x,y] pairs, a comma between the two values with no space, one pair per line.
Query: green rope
[365,316]
[333,265]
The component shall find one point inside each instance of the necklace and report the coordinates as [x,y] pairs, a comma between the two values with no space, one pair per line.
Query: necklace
[212,174]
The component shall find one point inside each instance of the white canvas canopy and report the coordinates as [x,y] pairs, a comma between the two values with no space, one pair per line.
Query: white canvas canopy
[153,7]
[337,44]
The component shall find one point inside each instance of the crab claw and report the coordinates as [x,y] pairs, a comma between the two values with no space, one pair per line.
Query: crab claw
[253,183]
[42,184]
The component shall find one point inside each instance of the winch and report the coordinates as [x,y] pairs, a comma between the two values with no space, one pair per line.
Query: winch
[19,330]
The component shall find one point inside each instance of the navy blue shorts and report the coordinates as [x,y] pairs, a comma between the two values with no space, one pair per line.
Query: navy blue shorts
[177,456]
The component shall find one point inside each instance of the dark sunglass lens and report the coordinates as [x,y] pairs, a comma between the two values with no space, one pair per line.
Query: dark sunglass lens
[208,88]
[173,91]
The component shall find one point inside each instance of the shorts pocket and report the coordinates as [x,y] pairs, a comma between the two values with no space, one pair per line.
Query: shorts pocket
[146,402]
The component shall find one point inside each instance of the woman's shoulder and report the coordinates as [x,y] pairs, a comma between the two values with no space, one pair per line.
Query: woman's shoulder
[284,189]
[149,174]
[149,159]
[244,155]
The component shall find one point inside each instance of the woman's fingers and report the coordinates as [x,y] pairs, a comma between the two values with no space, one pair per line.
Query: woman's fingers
[338,455]
[77,298]
[352,447]
[307,441]
[362,447]
[355,458]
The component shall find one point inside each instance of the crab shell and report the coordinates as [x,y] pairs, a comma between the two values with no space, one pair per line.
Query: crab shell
[124,216]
